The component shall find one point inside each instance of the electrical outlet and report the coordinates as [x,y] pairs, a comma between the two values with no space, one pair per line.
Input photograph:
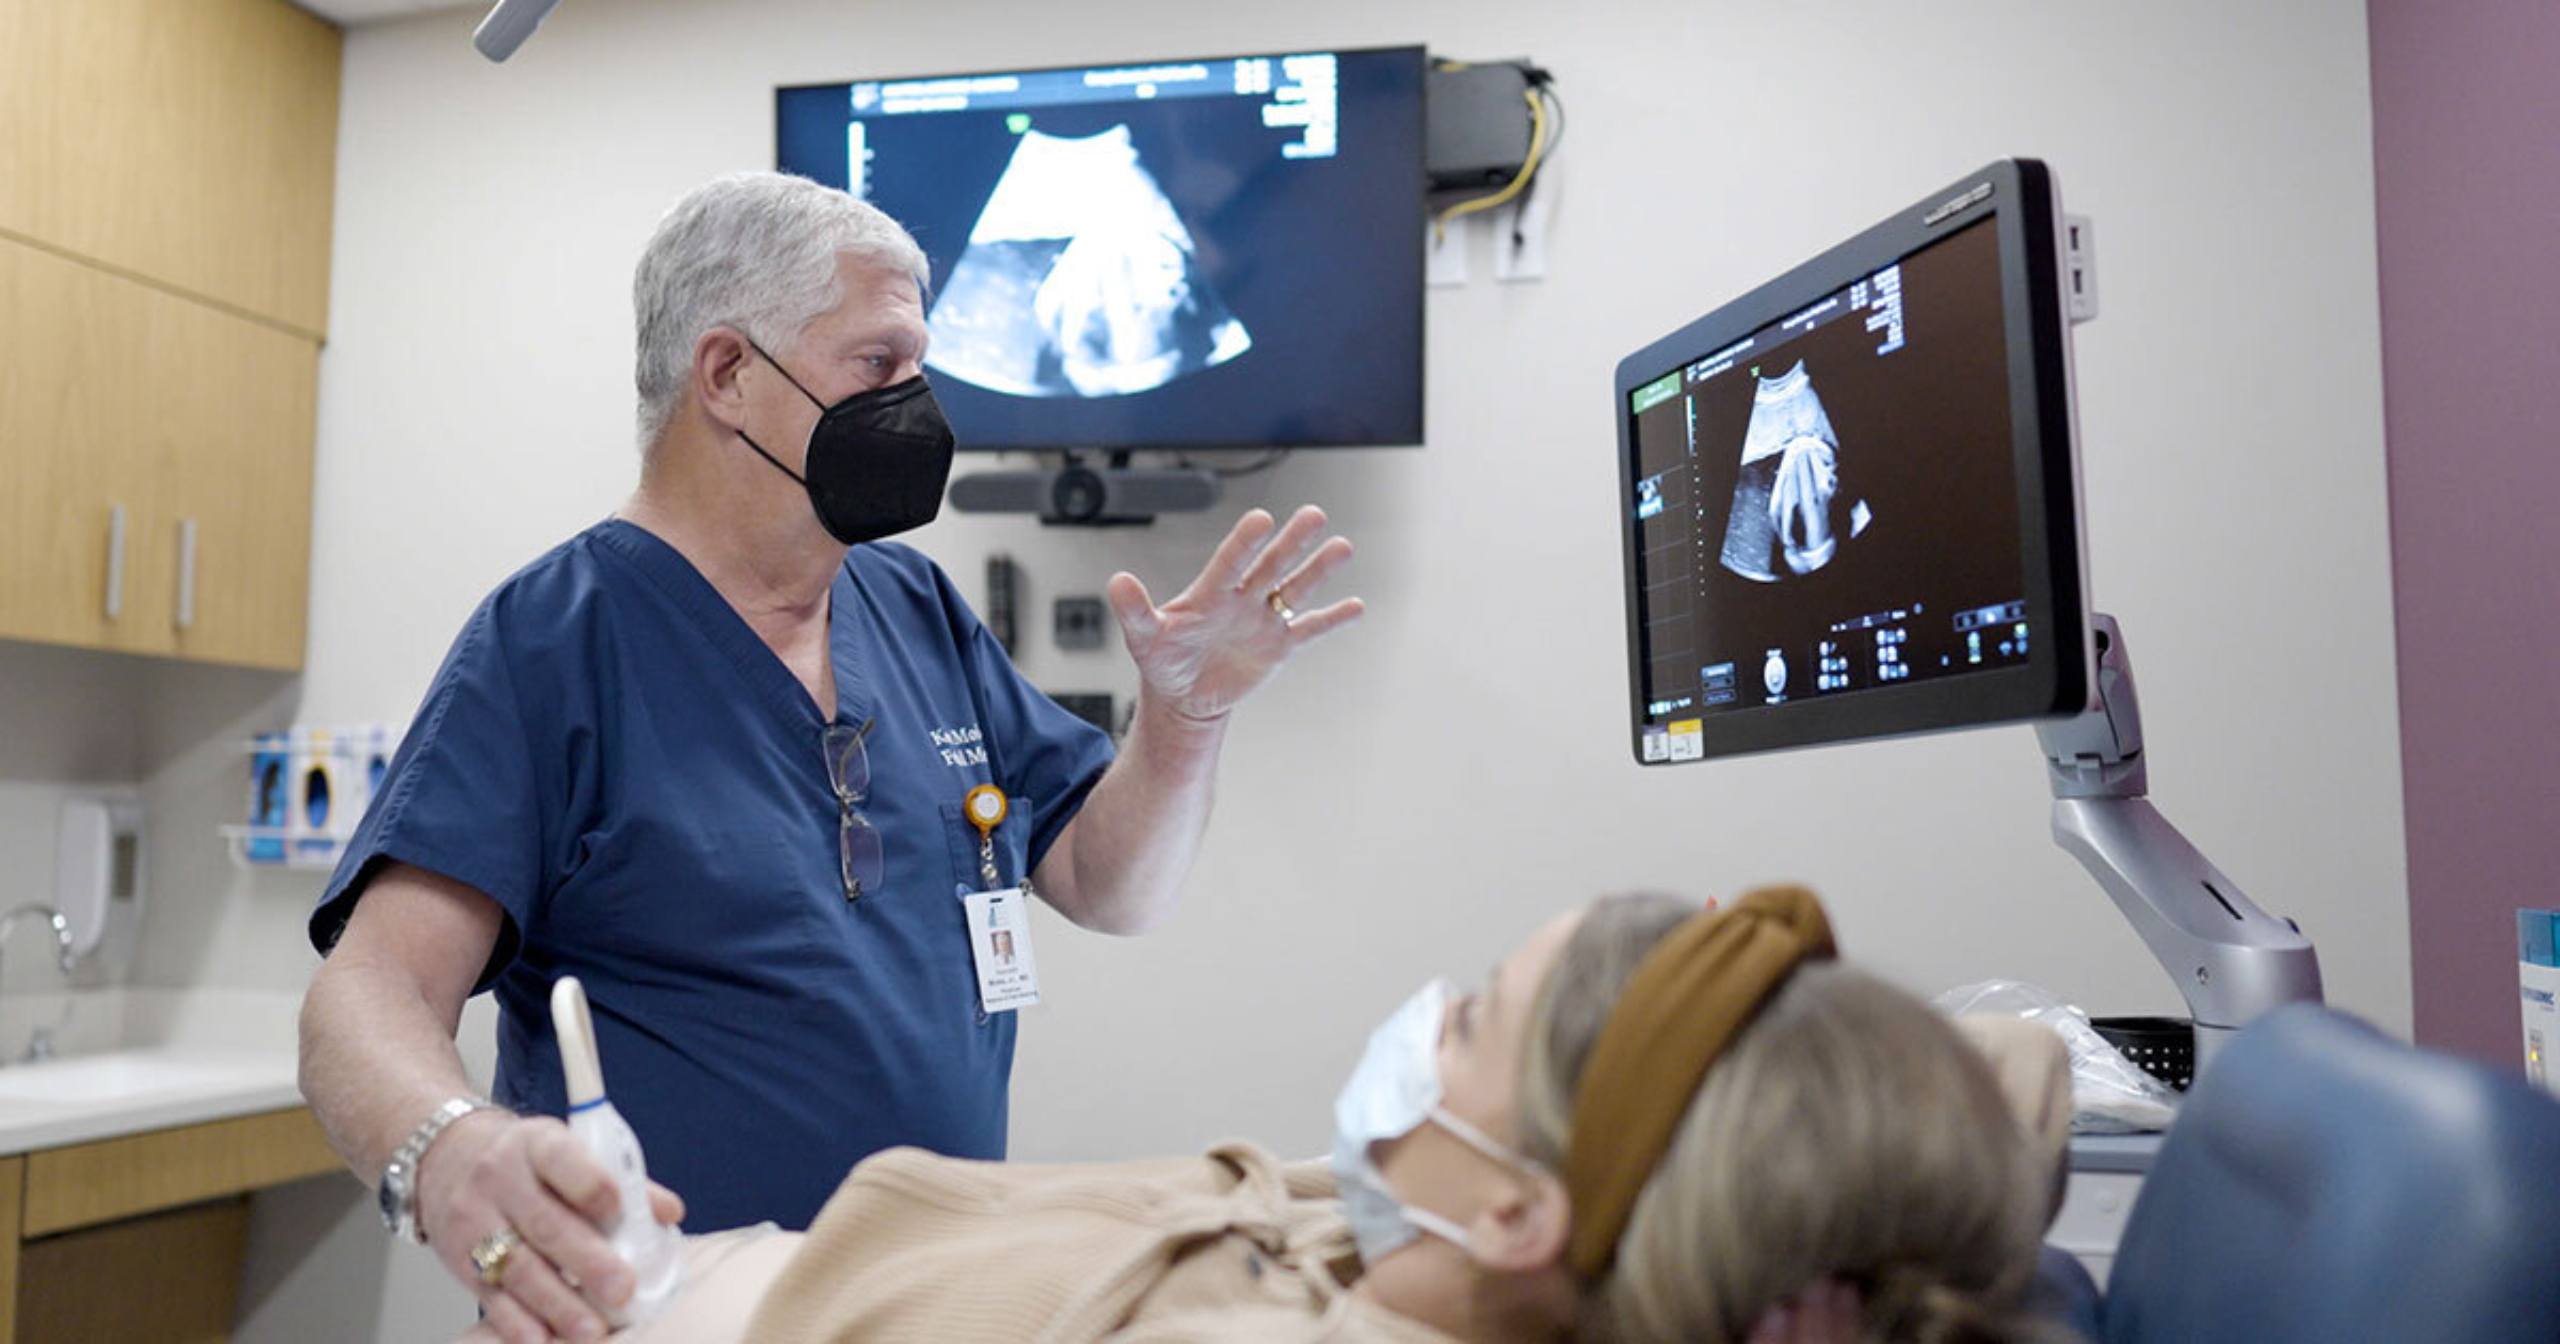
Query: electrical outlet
[1080,622]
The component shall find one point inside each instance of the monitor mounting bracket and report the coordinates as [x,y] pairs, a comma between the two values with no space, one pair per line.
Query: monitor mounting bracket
[2231,960]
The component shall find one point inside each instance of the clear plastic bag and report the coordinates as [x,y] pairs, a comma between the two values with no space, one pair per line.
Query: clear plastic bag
[2110,1094]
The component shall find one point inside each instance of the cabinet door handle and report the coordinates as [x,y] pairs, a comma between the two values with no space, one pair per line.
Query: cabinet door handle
[186,573]
[115,562]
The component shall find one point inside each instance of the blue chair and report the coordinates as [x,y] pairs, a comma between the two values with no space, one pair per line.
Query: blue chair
[2063,1292]
[2326,1184]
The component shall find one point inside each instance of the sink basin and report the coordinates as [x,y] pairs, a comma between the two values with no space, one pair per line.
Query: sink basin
[96,1078]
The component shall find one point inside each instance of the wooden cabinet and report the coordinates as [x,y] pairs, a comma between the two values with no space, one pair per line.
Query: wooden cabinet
[83,1228]
[69,336]
[82,1285]
[165,178]
[231,408]
[157,454]
[189,142]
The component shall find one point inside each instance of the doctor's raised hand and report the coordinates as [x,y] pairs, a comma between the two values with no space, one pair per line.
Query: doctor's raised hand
[1118,867]
[1223,636]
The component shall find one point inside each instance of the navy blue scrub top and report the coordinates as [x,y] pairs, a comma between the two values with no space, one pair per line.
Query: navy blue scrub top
[612,755]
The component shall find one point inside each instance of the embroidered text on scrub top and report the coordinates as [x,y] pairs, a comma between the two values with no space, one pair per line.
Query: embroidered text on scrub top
[960,747]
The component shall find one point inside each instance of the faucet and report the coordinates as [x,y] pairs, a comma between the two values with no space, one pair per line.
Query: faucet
[40,1039]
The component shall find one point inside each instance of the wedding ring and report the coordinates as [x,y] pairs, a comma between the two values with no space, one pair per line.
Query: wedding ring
[490,1254]
[1280,607]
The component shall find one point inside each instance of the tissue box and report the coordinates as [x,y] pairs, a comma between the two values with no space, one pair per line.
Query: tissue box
[2538,979]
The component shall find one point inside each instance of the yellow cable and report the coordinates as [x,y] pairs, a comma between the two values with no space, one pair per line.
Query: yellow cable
[1528,167]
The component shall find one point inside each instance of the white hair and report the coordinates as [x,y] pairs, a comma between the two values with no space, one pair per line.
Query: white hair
[753,251]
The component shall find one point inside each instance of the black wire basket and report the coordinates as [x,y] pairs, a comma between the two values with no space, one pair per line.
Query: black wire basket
[2164,1047]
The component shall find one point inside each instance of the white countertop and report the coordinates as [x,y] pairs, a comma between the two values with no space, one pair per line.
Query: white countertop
[134,1060]
[67,1101]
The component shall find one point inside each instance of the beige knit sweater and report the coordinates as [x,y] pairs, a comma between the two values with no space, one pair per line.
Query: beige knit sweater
[1231,1246]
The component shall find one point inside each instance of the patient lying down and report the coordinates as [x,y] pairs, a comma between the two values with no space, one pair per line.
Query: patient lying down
[1650,1124]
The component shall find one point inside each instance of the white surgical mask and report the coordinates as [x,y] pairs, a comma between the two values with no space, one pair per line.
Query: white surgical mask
[1393,1091]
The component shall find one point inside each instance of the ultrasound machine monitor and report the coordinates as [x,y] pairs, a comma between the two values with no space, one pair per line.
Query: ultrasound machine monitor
[1849,498]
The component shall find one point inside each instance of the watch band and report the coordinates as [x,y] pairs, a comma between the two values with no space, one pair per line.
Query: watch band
[399,1188]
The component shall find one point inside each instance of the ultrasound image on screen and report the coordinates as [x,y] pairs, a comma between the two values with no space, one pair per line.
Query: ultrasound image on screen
[1788,501]
[1827,505]
[1079,281]
[1184,254]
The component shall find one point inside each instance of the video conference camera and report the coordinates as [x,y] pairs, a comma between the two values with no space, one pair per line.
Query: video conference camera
[1081,496]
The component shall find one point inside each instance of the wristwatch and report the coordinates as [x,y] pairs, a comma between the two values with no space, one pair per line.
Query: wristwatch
[399,1190]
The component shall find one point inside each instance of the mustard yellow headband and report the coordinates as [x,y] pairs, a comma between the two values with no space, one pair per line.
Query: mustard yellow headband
[1686,1001]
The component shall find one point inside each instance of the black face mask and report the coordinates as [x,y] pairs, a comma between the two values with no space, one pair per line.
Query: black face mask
[877,460]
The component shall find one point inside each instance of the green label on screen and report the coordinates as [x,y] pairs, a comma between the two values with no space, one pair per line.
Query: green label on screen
[1658,391]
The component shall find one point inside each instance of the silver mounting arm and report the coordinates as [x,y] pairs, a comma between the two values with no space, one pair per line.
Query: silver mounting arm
[2229,958]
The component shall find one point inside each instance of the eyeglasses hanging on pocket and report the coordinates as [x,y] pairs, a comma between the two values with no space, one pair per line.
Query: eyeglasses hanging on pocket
[858,852]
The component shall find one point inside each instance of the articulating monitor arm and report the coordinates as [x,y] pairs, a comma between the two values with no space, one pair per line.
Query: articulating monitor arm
[2229,958]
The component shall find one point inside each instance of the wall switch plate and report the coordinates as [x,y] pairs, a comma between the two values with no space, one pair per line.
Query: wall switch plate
[1444,251]
[1080,622]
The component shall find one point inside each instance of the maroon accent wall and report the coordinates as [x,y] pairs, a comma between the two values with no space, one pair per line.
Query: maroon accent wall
[2466,139]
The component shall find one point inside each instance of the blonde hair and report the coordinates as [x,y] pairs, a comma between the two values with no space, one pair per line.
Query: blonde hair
[1849,1133]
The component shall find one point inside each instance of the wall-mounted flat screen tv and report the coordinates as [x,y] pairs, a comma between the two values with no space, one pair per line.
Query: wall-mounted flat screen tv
[1214,253]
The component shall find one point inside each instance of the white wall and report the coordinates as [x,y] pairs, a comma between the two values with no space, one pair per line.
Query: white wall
[475,405]
[56,739]
[61,735]
[1414,795]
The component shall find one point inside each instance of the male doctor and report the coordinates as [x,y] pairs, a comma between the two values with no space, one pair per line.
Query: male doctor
[749,772]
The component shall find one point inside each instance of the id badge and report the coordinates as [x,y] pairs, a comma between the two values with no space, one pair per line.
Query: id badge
[1000,946]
